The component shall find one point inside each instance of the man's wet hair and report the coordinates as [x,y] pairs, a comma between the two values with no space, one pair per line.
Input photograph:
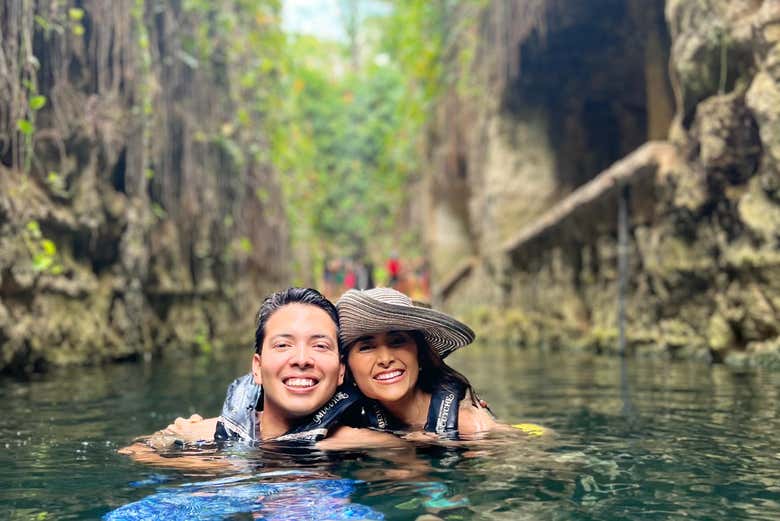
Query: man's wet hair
[279,299]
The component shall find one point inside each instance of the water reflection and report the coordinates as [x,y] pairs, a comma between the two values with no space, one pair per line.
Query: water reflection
[291,495]
[650,440]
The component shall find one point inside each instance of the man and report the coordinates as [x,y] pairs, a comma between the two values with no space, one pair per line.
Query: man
[291,393]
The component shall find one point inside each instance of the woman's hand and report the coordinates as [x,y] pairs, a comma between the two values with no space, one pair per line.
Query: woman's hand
[183,431]
[152,449]
[420,436]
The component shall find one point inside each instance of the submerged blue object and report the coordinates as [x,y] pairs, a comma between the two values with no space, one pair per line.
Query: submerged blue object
[293,500]
[153,479]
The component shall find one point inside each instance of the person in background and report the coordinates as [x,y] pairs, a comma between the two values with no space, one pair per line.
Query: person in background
[369,274]
[350,276]
[362,276]
[393,270]
[395,352]
[328,278]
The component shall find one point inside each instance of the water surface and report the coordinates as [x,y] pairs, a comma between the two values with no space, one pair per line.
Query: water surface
[645,440]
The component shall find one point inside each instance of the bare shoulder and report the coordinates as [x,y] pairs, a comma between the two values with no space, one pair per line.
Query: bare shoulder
[343,438]
[473,419]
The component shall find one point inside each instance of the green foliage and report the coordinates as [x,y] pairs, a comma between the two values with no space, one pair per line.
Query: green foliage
[245,244]
[239,248]
[350,142]
[43,251]
[25,127]
[343,133]
[262,195]
[56,185]
[42,22]
[159,212]
[37,102]
[146,82]
[76,14]
[33,228]
[203,342]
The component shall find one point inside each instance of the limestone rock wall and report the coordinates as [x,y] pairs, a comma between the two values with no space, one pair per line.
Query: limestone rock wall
[704,252]
[134,217]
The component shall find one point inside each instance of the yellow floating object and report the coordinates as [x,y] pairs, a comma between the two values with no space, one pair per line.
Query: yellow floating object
[531,429]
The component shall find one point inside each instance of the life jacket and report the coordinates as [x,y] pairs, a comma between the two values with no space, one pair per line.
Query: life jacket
[238,420]
[442,412]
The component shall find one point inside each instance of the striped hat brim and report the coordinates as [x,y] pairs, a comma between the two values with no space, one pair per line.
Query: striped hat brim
[383,309]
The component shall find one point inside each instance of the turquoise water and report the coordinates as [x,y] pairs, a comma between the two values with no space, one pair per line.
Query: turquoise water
[651,440]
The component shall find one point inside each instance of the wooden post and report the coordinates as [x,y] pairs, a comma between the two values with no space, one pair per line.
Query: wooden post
[622,251]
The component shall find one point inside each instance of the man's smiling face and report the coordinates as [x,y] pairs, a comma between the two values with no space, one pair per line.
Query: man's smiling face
[299,365]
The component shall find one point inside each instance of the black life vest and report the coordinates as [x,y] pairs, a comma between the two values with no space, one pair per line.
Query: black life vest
[238,420]
[442,412]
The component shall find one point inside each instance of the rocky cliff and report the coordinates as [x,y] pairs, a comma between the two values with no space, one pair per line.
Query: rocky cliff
[137,211]
[523,190]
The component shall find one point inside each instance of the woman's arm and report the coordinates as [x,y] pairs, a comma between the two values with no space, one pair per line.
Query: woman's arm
[180,432]
[345,438]
[473,419]
[193,429]
[143,453]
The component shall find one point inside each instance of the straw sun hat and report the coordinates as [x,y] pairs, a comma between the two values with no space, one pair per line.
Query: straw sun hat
[383,309]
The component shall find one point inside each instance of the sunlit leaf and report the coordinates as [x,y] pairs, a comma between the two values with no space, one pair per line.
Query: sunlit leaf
[37,102]
[33,227]
[75,13]
[243,117]
[49,248]
[245,244]
[25,127]
[41,262]
[42,22]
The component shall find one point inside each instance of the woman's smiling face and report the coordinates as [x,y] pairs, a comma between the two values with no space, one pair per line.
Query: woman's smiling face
[299,365]
[385,365]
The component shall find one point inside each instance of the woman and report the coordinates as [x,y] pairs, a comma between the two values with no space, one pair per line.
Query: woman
[291,392]
[395,352]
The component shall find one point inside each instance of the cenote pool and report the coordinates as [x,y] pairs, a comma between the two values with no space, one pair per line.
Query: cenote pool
[648,440]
